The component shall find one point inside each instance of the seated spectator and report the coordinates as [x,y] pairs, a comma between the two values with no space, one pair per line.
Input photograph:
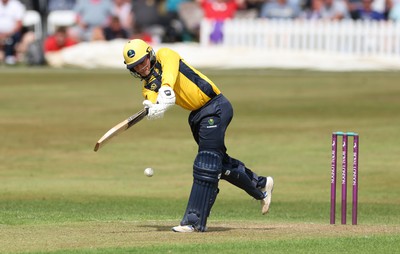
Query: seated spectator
[172,6]
[115,30]
[147,19]
[190,14]
[218,11]
[174,26]
[335,10]
[11,15]
[53,44]
[92,15]
[145,36]
[353,6]
[381,6]
[279,9]
[58,5]
[315,11]
[29,49]
[150,18]
[255,5]
[366,12]
[394,12]
[58,40]
[123,10]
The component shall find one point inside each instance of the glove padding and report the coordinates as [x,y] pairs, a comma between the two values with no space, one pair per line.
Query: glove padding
[166,96]
[165,99]
[155,110]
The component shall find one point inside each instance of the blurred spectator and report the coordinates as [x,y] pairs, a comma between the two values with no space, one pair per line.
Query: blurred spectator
[151,18]
[218,11]
[280,9]
[123,10]
[115,30]
[335,10]
[172,8]
[22,47]
[381,6]
[249,10]
[254,5]
[394,10]
[315,11]
[29,49]
[326,10]
[57,5]
[92,16]
[11,15]
[145,36]
[54,44]
[190,14]
[366,12]
[147,19]
[353,6]
[174,26]
[58,40]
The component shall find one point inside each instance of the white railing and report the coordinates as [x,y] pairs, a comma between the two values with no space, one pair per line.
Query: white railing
[357,38]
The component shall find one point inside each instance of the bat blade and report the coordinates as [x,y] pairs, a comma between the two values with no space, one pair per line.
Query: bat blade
[121,127]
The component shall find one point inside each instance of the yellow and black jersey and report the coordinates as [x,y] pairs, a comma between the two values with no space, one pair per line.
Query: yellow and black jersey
[192,88]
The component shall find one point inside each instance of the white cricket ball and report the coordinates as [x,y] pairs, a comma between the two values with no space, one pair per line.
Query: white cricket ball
[149,172]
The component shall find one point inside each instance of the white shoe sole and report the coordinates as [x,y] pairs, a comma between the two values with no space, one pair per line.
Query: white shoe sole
[266,202]
[183,229]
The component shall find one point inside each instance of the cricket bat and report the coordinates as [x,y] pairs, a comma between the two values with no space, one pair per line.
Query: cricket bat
[121,127]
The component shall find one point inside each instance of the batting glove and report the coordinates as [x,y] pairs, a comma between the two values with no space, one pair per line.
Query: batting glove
[165,99]
[156,111]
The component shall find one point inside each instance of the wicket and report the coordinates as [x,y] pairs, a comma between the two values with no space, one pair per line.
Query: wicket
[344,136]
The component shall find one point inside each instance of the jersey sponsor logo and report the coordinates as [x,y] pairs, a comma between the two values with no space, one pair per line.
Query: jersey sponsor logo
[153,87]
[211,124]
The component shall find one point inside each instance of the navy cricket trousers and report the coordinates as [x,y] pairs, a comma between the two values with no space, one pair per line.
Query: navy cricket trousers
[208,125]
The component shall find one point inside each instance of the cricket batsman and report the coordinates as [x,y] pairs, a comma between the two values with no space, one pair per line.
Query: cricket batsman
[169,80]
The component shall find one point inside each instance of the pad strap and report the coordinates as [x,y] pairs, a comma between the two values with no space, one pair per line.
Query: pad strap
[235,172]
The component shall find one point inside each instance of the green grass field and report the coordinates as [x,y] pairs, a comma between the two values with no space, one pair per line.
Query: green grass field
[58,196]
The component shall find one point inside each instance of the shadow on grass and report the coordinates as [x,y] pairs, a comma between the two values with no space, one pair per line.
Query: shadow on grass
[209,229]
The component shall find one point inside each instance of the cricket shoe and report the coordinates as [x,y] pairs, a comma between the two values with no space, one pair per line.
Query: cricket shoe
[267,190]
[183,229]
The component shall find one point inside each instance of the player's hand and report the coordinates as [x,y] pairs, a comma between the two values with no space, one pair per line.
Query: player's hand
[147,104]
[166,95]
[156,111]
[165,99]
